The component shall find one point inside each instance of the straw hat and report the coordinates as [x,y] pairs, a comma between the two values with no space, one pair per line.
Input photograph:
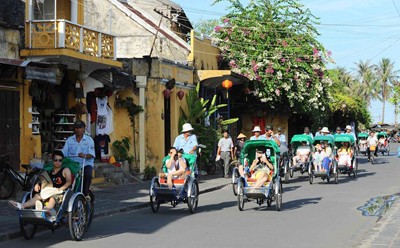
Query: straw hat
[187,127]
[256,129]
[241,136]
[325,130]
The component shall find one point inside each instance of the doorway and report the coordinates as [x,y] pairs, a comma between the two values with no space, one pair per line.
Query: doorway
[167,125]
[10,126]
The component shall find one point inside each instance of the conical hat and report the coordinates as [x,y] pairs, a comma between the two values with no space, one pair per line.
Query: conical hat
[241,136]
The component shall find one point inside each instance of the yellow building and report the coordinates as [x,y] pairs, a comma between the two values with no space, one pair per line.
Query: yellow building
[63,56]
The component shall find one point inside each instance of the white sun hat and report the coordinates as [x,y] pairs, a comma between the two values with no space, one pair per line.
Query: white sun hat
[348,127]
[256,129]
[325,130]
[187,127]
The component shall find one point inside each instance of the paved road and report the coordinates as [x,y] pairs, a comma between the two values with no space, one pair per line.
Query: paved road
[318,215]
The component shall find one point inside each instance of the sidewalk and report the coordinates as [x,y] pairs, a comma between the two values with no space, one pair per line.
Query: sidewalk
[109,200]
[386,231]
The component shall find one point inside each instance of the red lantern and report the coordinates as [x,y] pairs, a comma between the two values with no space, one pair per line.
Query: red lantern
[227,84]
[180,94]
[166,93]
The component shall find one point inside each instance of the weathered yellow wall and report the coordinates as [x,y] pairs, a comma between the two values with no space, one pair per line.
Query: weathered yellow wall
[204,56]
[30,144]
[155,132]
[121,121]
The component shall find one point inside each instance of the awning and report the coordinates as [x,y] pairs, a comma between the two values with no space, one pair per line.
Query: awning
[52,75]
[114,78]
[214,78]
[14,62]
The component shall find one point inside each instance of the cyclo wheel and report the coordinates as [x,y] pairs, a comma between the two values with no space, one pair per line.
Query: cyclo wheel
[291,170]
[90,206]
[193,196]
[311,178]
[336,174]
[7,185]
[77,218]
[286,171]
[154,202]
[278,200]
[211,168]
[240,195]
[355,168]
[235,178]
[27,230]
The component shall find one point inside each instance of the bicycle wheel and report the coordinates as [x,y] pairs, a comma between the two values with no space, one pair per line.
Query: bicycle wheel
[6,185]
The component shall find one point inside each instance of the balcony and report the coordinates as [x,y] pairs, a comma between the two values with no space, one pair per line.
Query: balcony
[64,38]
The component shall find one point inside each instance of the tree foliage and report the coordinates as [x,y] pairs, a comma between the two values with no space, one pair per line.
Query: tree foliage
[205,27]
[346,106]
[273,42]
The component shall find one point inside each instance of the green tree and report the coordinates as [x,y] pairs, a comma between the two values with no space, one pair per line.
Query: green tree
[385,75]
[205,27]
[274,43]
[366,85]
[346,106]
[395,100]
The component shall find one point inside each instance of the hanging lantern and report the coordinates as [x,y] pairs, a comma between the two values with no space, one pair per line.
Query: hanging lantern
[166,93]
[227,84]
[180,94]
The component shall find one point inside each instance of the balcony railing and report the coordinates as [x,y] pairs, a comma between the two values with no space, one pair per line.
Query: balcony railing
[72,36]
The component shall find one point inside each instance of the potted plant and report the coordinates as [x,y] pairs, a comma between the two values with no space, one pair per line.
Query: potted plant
[121,152]
[149,172]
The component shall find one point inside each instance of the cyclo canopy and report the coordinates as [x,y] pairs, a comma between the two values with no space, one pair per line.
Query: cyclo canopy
[249,151]
[340,138]
[382,134]
[320,138]
[362,135]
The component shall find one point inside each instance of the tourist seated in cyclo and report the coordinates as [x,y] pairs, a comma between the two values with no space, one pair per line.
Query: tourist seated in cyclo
[382,141]
[318,157]
[259,170]
[302,153]
[48,191]
[344,154]
[176,166]
[327,157]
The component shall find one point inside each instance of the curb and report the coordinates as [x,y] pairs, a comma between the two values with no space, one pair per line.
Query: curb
[14,234]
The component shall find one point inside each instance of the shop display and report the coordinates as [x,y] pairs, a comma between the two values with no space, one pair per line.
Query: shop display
[63,127]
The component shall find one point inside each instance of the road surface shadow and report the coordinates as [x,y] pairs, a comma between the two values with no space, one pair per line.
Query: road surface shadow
[296,204]
[287,188]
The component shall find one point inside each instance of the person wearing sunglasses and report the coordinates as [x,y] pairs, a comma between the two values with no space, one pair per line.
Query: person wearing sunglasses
[59,178]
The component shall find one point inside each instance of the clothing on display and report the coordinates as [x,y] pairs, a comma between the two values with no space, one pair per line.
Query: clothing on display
[101,142]
[101,122]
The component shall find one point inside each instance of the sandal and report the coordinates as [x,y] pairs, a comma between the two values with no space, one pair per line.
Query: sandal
[15,204]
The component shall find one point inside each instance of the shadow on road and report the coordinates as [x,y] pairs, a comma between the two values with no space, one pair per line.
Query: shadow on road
[287,188]
[295,204]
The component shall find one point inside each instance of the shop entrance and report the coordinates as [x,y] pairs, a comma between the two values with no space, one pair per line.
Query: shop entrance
[167,125]
[10,126]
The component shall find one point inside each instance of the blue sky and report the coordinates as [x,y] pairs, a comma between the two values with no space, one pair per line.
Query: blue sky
[353,30]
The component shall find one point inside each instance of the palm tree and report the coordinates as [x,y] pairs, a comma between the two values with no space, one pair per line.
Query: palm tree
[385,74]
[366,85]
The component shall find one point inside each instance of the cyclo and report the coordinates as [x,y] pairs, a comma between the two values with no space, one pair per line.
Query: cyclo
[362,143]
[296,145]
[185,190]
[383,143]
[324,174]
[272,189]
[74,211]
[342,167]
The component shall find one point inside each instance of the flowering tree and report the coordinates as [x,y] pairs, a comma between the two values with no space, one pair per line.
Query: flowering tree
[273,42]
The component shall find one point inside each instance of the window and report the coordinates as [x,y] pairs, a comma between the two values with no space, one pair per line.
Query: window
[43,9]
